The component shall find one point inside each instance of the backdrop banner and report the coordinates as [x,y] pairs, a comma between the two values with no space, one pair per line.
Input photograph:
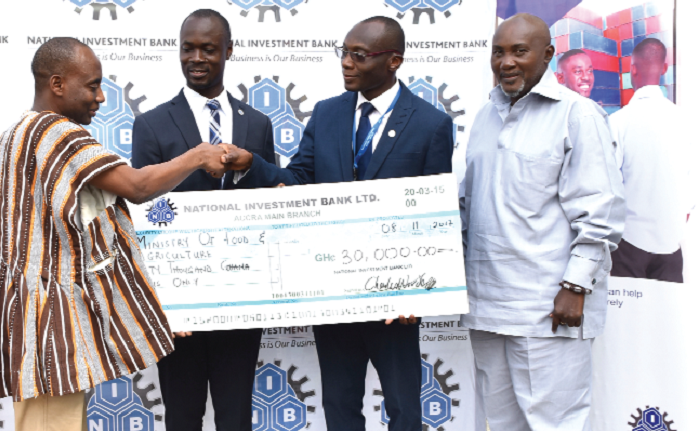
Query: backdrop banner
[282,64]
[642,364]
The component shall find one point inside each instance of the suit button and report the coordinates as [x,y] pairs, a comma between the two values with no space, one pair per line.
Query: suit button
[594,281]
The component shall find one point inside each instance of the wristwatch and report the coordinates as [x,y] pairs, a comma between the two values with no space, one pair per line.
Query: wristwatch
[574,288]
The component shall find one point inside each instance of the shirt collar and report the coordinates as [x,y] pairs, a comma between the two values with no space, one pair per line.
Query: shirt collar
[648,92]
[382,102]
[548,87]
[197,102]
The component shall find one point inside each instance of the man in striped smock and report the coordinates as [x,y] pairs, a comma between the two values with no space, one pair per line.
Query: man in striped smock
[78,307]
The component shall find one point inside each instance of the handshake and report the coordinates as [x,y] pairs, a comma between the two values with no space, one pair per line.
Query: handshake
[221,158]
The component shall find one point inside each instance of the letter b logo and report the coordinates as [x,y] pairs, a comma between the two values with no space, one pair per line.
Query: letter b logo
[136,424]
[289,415]
[125,136]
[435,409]
[287,136]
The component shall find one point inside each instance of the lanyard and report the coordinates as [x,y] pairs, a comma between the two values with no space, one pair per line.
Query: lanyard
[375,128]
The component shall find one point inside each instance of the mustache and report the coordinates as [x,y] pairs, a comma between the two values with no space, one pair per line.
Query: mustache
[504,75]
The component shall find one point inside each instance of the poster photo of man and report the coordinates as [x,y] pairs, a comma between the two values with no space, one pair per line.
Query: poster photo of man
[575,71]
[624,60]
[653,157]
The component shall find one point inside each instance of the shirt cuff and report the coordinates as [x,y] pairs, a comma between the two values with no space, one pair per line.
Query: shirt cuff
[238,175]
[583,272]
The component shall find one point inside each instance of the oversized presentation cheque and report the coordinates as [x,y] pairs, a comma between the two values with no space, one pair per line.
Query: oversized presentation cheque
[305,255]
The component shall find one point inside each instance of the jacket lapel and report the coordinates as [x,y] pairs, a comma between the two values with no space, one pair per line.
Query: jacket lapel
[345,131]
[397,122]
[183,117]
[240,122]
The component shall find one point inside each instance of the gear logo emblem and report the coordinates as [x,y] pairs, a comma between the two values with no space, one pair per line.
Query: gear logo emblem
[275,101]
[161,212]
[99,5]
[120,405]
[650,419]
[113,124]
[435,397]
[264,6]
[424,89]
[278,401]
[419,7]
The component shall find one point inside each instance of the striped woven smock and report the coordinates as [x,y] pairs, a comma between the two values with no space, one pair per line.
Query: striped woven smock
[68,323]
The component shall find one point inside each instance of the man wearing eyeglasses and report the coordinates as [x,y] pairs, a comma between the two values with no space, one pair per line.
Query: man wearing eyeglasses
[377,129]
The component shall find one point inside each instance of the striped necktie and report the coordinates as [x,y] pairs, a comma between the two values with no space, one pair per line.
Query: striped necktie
[214,122]
[215,126]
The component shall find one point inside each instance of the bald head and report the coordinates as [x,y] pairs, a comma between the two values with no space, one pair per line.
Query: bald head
[391,35]
[521,53]
[55,57]
[648,63]
[530,26]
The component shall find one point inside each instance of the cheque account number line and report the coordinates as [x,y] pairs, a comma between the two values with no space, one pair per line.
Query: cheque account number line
[300,225]
[318,299]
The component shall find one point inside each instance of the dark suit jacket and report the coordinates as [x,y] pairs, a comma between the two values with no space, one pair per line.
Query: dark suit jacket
[170,130]
[422,145]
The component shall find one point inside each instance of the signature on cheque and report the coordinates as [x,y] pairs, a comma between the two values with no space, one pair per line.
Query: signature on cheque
[375,283]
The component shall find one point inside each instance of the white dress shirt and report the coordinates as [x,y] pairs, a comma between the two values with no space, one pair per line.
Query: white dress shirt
[202,114]
[381,105]
[655,159]
[541,202]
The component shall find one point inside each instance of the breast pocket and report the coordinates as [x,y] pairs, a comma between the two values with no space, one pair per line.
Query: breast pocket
[529,182]
[408,164]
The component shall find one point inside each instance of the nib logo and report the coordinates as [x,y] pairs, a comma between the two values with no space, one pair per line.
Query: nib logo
[278,400]
[99,5]
[650,419]
[434,397]
[424,89]
[264,6]
[120,405]
[161,212]
[275,101]
[419,7]
[113,124]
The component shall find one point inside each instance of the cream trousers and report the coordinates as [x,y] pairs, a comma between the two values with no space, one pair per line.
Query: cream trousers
[47,413]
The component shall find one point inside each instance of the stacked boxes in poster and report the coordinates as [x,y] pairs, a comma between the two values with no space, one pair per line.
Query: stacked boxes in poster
[631,26]
[609,42]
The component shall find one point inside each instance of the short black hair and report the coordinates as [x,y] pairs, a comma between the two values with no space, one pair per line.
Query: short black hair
[567,55]
[210,13]
[392,29]
[54,57]
[651,51]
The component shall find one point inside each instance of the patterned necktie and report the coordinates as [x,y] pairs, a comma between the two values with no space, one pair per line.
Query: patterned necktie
[362,133]
[215,126]
[214,122]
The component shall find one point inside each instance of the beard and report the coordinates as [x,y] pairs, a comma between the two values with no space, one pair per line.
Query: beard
[516,93]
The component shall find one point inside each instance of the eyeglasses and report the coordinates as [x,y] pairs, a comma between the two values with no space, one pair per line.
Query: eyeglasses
[358,57]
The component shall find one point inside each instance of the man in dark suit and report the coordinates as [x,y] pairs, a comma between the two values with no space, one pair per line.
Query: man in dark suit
[411,139]
[223,361]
